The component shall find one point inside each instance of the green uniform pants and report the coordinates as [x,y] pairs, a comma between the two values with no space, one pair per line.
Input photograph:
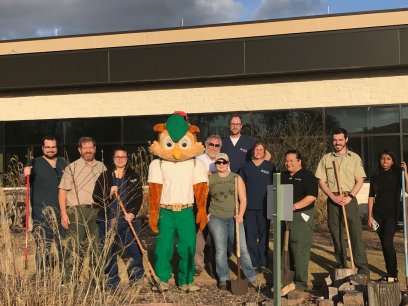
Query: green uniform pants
[170,224]
[337,230]
[300,244]
[82,239]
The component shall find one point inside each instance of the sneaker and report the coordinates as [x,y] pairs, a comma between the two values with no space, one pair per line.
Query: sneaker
[189,288]
[288,288]
[222,285]
[162,287]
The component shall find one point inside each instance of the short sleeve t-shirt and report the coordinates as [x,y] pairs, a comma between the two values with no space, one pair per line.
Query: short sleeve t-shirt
[177,179]
[79,180]
[350,168]
[222,195]
[304,184]
[257,179]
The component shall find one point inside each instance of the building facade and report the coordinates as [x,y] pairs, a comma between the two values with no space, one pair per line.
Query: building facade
[347,70]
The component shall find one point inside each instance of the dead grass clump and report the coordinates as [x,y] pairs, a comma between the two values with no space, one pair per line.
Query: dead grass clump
[19,286]
[321,208]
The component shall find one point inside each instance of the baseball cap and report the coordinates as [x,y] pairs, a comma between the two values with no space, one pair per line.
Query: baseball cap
[222,156]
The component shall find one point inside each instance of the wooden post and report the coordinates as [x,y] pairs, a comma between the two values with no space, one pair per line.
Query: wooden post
[383,294]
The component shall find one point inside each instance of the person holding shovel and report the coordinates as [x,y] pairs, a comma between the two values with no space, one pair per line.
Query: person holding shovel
[222,219]
[351,175]
[384,207]
[124,181]
[305,191]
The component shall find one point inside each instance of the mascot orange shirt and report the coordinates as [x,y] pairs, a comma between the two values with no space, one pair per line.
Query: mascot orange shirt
[176,181]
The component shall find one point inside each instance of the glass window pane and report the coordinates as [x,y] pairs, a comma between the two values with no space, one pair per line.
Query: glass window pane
[404,110]
[210,124]
[139,130]
[354,120]
[103,130]
[32,132]
[383,119]
[376,144]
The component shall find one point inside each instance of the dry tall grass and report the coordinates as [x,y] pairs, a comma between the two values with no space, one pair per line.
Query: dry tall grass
[29,287]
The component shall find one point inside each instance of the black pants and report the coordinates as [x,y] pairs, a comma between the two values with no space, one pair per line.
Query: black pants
[386,232]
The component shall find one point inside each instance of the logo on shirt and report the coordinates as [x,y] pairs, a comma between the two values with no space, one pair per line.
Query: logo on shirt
[244,150]
[295,179]
[265,171]
[134,180]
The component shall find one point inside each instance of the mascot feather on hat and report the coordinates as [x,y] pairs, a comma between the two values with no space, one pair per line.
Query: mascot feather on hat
[176,181]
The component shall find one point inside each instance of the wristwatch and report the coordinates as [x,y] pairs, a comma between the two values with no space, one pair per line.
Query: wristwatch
[350,195]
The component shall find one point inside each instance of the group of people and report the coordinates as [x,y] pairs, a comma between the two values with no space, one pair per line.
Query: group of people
[87,197]
[84,195]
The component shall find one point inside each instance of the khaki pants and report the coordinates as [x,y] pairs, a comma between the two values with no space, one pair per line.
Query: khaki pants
[82,238]
[337,230]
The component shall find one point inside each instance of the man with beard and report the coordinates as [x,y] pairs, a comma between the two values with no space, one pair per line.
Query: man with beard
[352,176]
[78,210]
[212,148]
[45,174]
[238,146]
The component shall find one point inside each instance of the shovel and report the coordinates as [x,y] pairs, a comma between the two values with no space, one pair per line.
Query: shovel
[404,207]
[239,286]
[155,278]
[287,274]
[337,174]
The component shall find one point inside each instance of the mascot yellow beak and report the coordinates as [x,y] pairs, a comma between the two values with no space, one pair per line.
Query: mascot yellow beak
[177,154]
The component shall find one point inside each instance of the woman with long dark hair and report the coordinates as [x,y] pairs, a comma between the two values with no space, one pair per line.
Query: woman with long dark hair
[384,207]
[120,179]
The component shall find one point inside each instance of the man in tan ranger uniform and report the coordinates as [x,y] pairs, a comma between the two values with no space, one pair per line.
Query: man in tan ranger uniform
[78,210]
[352,176]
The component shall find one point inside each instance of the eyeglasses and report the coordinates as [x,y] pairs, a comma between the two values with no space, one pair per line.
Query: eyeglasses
[217,145]
[221,162]
[235,124]
[120,157]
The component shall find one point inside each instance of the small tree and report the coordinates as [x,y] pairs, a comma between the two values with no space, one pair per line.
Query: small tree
[303,131]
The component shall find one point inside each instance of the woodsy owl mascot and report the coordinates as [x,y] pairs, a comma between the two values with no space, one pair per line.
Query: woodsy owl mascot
[175,180]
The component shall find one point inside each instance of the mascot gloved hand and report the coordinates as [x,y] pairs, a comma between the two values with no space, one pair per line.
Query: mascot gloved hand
[176,181]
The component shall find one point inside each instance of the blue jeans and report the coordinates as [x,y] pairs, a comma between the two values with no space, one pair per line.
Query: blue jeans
[124,240]
[222,231]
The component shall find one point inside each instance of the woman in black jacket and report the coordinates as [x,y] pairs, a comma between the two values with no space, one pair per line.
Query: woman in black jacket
[120,178]
[384,207]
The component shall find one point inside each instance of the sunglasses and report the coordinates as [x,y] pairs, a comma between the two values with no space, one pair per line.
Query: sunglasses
[217,145]
[221,162]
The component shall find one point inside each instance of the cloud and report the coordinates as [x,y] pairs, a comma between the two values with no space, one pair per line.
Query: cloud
[270,9]
[34,18]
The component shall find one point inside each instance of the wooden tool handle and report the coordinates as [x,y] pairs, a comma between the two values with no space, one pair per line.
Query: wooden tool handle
[338,180]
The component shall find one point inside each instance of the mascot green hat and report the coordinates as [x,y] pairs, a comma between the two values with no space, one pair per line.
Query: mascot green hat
[177,125]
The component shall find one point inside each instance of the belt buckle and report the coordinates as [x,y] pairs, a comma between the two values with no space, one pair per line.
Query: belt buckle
[176,207]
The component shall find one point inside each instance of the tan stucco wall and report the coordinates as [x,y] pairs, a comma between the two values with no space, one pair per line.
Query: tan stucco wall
[260,94]
[222,31]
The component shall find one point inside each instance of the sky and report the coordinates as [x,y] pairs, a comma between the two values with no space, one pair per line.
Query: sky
[21,19]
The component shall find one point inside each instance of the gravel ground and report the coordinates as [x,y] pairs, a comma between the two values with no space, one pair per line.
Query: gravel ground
[211,295]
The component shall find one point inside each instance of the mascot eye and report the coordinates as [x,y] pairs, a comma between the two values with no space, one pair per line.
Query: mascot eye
[168,144]
[185,142]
